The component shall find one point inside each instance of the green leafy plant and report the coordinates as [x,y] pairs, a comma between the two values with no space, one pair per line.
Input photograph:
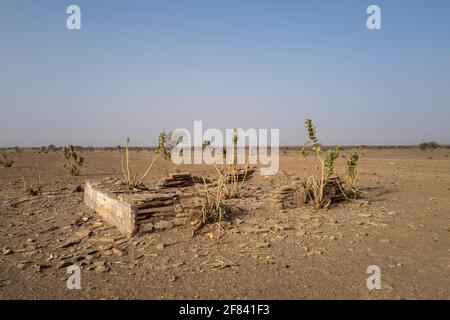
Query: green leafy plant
[5,161]
[315,185]
[73,160]
[352,168]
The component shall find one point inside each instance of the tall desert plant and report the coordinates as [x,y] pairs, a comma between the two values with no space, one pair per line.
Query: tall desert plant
[314,184]
[161,151]
[73,160]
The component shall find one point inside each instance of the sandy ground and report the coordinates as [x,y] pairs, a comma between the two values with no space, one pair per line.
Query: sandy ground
[402,225]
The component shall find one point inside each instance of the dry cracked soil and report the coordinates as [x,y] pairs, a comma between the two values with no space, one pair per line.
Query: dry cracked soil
[401,224]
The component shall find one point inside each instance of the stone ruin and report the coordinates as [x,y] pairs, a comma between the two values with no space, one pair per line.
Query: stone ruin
[294,194]
[176,201]
[289,196]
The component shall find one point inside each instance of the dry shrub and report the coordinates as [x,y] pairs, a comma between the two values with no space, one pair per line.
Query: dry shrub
[33,188]
[230,177]
[73,160]
[214,209]
[5,161]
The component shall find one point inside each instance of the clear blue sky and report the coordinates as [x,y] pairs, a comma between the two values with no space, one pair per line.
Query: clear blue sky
[139,67]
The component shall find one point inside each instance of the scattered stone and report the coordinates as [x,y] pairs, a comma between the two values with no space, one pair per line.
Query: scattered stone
[78,189]
[69,243]
[83,233]
[160,246]
[4,283]
[254,230]
[301,233]
[99,263]
[117,251]
[101,269]
[289,196]
[283,227]
[365,203]
[7,251]
[97,224]
[50,258]
[41,267]
[270,259]
[23,264]
[178,264]
[64,264]
[79,258]
[263,244]
[106,239]
[316,224]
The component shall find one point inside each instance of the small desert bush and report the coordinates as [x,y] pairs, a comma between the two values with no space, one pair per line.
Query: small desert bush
[431,145]
[51,147]
[5,161]
[73,160]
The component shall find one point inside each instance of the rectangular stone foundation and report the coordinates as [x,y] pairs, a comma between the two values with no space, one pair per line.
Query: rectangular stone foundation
[134,212]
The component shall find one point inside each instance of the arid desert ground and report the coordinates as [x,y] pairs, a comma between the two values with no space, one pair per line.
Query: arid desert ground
[401,224]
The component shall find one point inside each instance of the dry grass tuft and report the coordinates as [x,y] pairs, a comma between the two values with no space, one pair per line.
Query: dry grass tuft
[33,189]
[5,161]
[230,177]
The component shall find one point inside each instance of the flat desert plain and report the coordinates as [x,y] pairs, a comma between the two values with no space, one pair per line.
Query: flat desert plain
[401,224]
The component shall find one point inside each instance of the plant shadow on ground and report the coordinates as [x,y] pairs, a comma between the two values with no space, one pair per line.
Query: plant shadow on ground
[375,194]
